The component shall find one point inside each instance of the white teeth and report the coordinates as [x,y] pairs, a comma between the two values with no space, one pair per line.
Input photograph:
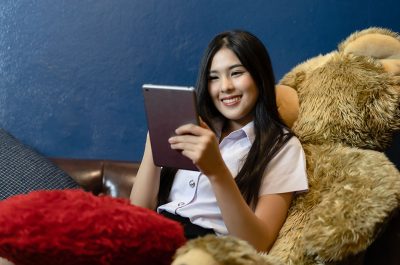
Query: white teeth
[231,100]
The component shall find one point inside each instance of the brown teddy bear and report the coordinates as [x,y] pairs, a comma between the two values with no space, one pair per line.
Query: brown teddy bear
[348,110]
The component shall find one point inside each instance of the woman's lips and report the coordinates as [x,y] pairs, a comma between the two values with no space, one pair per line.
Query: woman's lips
[229,101]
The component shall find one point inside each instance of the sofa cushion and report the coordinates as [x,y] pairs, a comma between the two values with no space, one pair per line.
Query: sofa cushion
[61,227]
[22,169]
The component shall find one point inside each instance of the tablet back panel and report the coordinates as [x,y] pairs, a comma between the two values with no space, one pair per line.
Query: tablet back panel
[167,108]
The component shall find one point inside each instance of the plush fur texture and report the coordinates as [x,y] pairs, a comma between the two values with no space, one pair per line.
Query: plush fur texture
[349,109]
[212,250]
[349,99]
[75,227]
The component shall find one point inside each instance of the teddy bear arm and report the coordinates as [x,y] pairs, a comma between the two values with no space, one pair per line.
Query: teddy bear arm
[359,199]
[195,256]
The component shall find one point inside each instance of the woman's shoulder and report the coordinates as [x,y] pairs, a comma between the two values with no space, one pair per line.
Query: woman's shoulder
[294,141]
[292,149]
[286,172]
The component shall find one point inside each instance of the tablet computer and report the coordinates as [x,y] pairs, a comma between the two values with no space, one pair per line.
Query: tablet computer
[167,108]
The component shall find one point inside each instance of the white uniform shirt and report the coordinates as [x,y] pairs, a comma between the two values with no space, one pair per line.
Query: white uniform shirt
[192,195]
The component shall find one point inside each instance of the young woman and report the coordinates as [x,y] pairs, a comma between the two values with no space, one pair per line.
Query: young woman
[250,165]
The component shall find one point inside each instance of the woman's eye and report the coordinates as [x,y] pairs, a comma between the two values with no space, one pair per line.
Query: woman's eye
[211,78]
[237,73]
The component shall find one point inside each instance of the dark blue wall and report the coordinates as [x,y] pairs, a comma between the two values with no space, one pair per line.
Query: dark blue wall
[71,70]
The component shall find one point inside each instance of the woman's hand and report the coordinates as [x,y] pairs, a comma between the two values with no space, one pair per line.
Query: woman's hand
[200,145]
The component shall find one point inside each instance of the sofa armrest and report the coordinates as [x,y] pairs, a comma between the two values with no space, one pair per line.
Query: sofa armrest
[114,178]
[119,177]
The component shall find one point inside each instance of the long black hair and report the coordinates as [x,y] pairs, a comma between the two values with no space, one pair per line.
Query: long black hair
[270,132]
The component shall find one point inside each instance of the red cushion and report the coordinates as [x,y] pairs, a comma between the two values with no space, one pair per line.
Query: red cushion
[75,227]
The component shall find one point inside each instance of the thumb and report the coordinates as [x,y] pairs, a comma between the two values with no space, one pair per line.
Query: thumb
[203,124]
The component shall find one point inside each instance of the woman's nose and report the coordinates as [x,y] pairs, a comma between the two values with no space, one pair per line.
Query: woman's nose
[226,84]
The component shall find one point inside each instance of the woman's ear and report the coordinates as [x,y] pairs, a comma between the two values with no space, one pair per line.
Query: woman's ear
[288,104]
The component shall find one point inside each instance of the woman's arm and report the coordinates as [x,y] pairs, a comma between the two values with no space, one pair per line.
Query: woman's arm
[259,228]
[147,181]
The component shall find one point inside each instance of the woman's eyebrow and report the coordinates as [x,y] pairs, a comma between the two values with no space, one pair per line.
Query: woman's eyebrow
[235,65]
[229,68]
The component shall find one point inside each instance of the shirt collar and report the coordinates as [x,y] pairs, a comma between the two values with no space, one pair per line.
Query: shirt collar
[247,130]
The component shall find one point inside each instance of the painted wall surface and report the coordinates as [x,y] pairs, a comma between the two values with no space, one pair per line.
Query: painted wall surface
[71,70]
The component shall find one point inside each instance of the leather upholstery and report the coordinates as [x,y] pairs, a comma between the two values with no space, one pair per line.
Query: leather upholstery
[114,178]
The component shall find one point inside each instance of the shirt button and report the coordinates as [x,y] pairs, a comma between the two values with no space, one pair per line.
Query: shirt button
[181,204]
[191,183]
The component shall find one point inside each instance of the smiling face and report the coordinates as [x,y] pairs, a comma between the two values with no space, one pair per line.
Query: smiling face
[232,89]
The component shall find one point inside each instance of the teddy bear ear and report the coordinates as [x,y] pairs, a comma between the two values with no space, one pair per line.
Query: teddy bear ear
[287,101]
[378,43]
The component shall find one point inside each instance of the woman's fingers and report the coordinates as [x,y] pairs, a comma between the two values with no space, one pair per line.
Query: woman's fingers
[184,146]
[191,151]
[198,143]
[192,129]
[187,138]
[191,145]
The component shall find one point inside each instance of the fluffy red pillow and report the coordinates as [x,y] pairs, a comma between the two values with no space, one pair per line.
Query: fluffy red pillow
[63,227]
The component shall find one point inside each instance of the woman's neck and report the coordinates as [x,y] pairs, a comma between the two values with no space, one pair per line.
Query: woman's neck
[230,126]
